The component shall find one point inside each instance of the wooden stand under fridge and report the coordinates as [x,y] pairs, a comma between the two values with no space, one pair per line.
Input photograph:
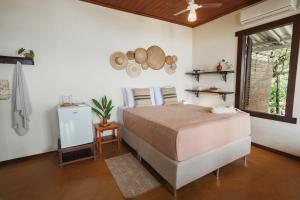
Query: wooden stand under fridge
[77,153]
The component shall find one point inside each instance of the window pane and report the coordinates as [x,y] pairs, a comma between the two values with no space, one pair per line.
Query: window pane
[268,62]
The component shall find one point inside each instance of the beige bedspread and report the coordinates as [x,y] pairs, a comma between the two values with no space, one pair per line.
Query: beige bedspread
[183,131]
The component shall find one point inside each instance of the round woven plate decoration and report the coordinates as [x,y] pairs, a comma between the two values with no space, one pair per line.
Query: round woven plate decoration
[169,60]
[168,69]
[133,70]
[145,66]
[173,66]
[140,55]
[156,57]
[118,60]
[130,55]
[174,58]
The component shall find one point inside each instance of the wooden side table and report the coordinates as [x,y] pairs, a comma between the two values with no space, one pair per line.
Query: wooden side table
[115,137]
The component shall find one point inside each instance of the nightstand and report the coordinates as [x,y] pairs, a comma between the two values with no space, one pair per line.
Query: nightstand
[114,138]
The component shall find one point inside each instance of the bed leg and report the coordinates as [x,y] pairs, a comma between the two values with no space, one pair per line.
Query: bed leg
[217,173]
[174,192]
[139,158]
[245,161]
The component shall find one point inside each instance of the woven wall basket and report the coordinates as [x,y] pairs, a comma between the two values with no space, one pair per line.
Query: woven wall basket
[156,57]
[140,55]
[118,60]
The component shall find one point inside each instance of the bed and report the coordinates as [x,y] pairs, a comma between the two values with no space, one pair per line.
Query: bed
[185,142]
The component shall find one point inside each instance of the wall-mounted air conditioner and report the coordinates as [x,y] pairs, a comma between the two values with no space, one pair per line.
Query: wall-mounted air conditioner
[266,9]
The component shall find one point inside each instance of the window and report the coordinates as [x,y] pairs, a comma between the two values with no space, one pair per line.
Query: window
[266,69]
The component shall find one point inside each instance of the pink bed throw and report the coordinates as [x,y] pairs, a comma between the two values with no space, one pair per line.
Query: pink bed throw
[182,131]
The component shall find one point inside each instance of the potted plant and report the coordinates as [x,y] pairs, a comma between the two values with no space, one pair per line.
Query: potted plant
[26,53]
[103,109]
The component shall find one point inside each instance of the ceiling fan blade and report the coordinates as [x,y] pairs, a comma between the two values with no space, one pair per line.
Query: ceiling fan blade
[210,5]
[183,11]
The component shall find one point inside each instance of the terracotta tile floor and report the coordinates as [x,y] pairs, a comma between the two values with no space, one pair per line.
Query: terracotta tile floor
[268,176]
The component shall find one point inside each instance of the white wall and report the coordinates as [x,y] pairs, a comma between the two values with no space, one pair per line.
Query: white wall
[73,41]
[216,40]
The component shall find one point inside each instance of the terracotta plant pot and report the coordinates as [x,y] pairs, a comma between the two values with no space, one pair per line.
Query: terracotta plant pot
[104,122]
[27,55]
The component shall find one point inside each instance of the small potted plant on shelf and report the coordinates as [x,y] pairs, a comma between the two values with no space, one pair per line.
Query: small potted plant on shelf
[26,53]
[103,109]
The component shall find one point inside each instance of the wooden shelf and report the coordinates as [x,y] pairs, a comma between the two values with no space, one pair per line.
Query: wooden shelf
[197,73]
[109,139]
[14,60]
[223,94]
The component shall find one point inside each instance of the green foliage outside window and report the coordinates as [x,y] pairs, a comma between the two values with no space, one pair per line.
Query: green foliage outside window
[281,63]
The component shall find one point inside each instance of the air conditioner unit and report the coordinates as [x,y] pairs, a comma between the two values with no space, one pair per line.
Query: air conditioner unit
[266,9]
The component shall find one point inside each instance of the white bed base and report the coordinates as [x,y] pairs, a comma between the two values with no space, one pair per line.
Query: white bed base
[180,173]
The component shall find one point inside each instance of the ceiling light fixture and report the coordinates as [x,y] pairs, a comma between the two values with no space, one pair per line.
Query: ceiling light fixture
[192,15]
[192,7]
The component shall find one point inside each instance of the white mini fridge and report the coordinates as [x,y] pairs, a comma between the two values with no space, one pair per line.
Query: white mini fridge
[75,125]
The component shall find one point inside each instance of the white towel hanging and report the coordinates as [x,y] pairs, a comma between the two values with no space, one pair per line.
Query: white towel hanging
[21,106]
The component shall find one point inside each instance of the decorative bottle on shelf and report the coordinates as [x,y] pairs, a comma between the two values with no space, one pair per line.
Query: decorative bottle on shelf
[219,67]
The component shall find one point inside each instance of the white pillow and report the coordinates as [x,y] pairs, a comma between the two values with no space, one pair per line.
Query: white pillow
[125,103]
[152,96]
[129,98]
[159,101]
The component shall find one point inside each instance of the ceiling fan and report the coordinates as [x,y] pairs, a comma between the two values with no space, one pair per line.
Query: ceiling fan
[192,7]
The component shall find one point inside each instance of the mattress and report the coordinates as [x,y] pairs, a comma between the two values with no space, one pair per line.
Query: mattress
[183,131]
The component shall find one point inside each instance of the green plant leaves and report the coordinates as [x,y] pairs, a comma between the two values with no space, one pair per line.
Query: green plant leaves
[105,100]
[104,108]
[109,104]
[277,100]
[97,104]
[107,111]
[97,112]
[31,53]
[21,51]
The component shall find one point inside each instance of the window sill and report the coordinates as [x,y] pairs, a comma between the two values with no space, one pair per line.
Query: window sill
[272,117]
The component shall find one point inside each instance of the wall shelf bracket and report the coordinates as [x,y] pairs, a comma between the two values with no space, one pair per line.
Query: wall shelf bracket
[223,97]
[224,77]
